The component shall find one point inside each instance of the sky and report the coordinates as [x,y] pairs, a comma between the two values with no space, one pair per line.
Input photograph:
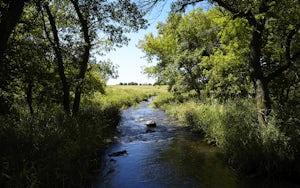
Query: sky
[129,59]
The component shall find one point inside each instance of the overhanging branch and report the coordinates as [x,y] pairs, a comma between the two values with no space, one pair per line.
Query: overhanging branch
[288,56]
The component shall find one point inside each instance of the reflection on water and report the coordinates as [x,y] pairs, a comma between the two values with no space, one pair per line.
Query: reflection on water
[194,159]
[165,156]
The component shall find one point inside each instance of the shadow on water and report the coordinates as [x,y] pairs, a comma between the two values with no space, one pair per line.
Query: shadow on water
[166,156]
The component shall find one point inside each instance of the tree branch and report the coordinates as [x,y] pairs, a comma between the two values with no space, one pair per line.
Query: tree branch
[180,6]
[85,56]
[45,29]
[287,55]
[237,13]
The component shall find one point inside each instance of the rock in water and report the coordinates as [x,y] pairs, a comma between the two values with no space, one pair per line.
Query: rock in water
[117,154]
[139,120]
[150,124]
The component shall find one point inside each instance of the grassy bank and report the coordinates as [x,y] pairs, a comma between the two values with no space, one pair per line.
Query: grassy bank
[51,149]
[271,151]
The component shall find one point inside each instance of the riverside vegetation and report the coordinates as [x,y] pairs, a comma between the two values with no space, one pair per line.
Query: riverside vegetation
[52,149]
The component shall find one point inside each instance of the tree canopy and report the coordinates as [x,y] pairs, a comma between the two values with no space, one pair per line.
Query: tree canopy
[230,45]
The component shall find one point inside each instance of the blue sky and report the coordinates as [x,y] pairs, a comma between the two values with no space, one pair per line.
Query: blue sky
[130,58]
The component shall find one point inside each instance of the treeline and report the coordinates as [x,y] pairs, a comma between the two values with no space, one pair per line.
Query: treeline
[134,84]
[233,71]
[52,132]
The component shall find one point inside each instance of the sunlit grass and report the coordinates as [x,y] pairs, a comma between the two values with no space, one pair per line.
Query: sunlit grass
[124,96]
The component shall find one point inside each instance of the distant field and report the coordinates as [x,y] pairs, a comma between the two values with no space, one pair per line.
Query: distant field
[137,88]
[124,96]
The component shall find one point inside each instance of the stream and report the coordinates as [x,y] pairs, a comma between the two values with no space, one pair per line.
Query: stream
[168,155]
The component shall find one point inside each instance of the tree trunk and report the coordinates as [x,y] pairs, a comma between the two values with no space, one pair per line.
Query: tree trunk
[59,59]
[29,96]
[9,20]
[4,105]
[260,82]
[85,57]
[263,103]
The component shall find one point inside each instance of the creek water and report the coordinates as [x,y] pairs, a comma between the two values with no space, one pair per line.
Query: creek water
[168,155]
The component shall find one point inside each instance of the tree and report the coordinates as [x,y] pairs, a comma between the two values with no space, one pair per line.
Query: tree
[112,18]
[178,48]
[195,53]
[55,43]
[10,13]
[226,66]
[85,54]
[260,15]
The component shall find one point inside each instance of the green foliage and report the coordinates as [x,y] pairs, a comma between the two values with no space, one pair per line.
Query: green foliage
[209,54]
[164,98]
[202,52]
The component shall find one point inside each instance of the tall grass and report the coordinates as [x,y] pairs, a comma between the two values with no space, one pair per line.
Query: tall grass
[52,149]
[272,150]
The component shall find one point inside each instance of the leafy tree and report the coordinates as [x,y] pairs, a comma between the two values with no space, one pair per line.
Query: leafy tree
[55,43]
[260,15]
[265,18]
[25,67]
[112,18]
[226,67]
[10,13]
[178,49]
[195,52]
